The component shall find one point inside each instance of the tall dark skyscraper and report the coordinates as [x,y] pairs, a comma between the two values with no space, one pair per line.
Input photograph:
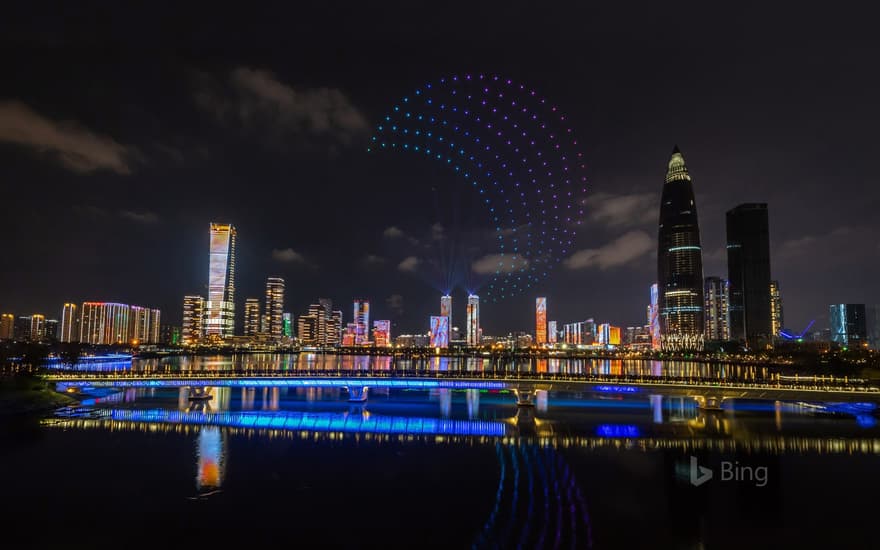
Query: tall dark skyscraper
[680,262]
[748,269]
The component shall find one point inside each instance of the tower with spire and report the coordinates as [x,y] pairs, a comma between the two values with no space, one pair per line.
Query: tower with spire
[679,262]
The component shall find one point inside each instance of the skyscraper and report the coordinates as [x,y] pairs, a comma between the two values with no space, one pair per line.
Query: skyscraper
[251,317]
[473,320]
[7,326]
[382,333]
[139,324]
[654,317]
[541,320]
[748,270]
[362,321]
[440,331]
[552,334]
[155,332]
[849,326]
[776,317]
[275,306]
[69,324]
[321,326]
[192,330]
[446,307]
[287,325]
[104,323]
[679,262]
[717,296]
[38,327]
[220,307]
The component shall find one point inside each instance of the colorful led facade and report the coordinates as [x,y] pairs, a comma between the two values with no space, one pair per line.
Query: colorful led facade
[251,317]
[362,322]
[287,325]
[849,325]
[473,320]
[274,307]
[654,317]
[69,324]
[104,323]
[552,334]
[220,307]
[192,330]
[679,262]
[382,333]
[541,320]
[446,307]
[440,331]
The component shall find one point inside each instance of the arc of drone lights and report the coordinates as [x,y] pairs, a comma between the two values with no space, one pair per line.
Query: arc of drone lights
[515,150]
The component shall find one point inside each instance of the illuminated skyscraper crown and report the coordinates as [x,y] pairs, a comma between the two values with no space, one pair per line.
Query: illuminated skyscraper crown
[677,170]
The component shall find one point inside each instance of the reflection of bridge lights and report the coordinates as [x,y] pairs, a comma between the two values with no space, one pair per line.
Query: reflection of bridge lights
[617,430]
[210,453]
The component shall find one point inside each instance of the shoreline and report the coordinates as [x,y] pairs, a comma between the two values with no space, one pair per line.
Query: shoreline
[24,395]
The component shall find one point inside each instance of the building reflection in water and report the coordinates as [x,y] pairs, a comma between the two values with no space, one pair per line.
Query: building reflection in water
[473,403]
[657,408]
[211,458]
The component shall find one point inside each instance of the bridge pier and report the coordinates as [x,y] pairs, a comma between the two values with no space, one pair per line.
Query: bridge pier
[531,395]
[357,394]
[710,402]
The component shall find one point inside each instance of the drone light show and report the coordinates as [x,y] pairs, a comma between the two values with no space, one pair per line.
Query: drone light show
[518,153]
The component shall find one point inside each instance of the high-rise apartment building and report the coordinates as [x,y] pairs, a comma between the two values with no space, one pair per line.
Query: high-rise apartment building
[322,326]
[776,317]
[362,320]
[473,320]
[220,307]
[748,270]
[679,261]
[382,333]
[541,320]
[717,299]
[251,317]
[7,326]
[286,325]
[552,334]
[193,328]
[38,327]
[104,323]
[274,306]
[69,324]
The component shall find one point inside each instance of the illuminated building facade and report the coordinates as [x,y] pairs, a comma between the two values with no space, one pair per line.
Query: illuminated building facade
[440,331]
[362,322]
[321,326]
[220,307]
[473,320]
[7,326]
[446,307]
[349,336]
[748,270]
[609,336]
[654,317]
[104,323]
[776,317]
[274,307]
[679,262]
[192,330]
[38,328]
[382,333]
[849,325]
[144,325]
[155,333]
[541,320]
[552,334]
[69,324]
[251,317]
[580,333]
[287,325]
[717,298]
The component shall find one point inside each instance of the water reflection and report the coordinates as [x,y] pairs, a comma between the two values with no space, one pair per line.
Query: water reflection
[211,459]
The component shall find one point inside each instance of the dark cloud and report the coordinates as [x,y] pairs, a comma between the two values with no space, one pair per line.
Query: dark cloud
[623,250]
[409,264]
[395,304]
[257,99]
[617,211]
[291,256]
[492,263]
[140,217]
[76,147]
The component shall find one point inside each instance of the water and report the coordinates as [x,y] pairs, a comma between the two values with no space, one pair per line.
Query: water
[438,468]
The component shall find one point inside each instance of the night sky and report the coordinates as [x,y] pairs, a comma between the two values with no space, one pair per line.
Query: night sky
[123,133]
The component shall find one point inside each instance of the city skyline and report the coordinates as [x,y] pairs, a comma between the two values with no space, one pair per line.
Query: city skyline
[184,142]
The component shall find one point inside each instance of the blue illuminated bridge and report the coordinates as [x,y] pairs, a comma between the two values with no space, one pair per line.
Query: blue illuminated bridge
[709,393]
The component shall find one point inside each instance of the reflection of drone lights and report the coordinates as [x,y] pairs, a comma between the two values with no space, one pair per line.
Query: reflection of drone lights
[789,336]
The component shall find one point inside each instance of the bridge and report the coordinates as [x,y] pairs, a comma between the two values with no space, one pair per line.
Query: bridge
[709,394]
